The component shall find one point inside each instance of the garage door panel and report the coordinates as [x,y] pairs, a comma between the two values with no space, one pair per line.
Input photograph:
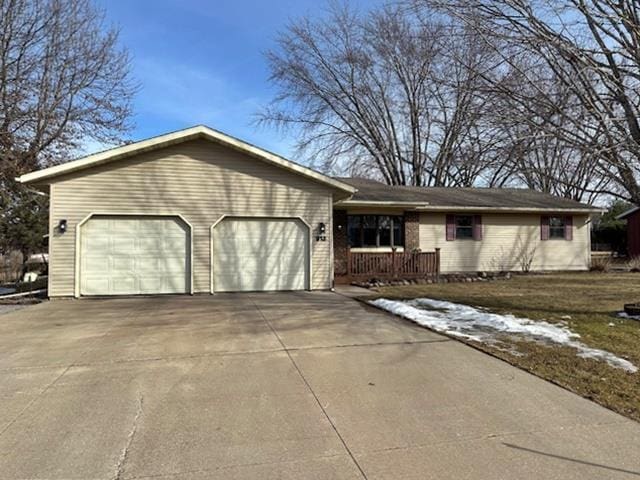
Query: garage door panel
[129,226]
[94,285]
[260,254]
[120,285]
[149,245]
[282,247]
[120,263]
[285,260]
[170,265]
[93,263]
[134,255]
[97,244]
[147,265]
[172,244]
[152,284]
[121,245]
[152,227]
[261,265]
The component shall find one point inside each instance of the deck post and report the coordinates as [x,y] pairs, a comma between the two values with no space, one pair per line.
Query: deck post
[438,264]
[393,263]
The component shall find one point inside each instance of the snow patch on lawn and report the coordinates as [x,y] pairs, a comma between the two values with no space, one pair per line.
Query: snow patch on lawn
[474,323]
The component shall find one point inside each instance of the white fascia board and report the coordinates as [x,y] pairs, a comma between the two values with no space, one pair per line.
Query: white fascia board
[364,203]
[425,207]
[512,209]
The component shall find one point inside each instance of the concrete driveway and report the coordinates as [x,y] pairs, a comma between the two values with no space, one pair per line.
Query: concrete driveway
[280,386]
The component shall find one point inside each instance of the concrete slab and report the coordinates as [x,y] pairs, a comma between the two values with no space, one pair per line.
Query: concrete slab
[10,308]
[352,291]
[570,454]
[296,385]
[68,433]
[323,319]
[337,467]
[20,388]
[182,339]
[440,392]
[210,420]
[229,431]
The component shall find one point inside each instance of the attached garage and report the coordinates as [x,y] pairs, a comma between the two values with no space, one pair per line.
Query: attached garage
[260,254]
[193,211]
[133,255]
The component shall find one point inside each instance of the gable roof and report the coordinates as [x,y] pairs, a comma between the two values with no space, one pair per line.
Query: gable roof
[45,175]
[628,213]
[373,193]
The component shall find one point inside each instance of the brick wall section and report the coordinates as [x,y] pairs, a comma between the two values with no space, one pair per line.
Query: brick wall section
[340,242]
[411,231]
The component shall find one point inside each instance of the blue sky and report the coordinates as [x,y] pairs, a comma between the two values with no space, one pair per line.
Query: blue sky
[201,62]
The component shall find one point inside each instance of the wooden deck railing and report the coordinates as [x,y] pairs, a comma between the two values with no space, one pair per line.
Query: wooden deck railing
[361,265]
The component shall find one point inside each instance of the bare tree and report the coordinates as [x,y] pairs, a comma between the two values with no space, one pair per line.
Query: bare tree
[592,49]
[63,80]
[544,161]
[386,95]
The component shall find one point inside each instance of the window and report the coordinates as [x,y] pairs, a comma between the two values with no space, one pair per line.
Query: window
[384,230]
[398,231]
[375,230]
[354,224]
[369,231]
[556,228]
[464,227]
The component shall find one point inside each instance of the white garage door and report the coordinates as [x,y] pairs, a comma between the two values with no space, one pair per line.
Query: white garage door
[260,254]
[134,255]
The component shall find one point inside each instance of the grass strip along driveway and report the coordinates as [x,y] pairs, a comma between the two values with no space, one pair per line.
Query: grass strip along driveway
[587,303]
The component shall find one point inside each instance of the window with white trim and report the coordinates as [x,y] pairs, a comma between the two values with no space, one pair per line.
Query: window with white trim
[557,227]
[375,230]
[464,227]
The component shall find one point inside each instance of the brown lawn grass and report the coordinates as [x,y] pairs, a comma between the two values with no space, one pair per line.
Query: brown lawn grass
[590,299]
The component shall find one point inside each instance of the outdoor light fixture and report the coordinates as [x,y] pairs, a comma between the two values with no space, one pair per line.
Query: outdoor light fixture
[322,232]
[62,225]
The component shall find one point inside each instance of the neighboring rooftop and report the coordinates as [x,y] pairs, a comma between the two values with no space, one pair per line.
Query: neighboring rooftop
[437,198]
[628,213]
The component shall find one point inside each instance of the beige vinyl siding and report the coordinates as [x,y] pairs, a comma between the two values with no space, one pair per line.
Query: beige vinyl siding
[506,237]
[200,180]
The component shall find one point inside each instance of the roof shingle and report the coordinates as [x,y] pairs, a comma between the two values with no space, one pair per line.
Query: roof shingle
[502,198]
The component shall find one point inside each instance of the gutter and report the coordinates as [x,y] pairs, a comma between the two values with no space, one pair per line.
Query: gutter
[356,203]
[511,209]
[425,207]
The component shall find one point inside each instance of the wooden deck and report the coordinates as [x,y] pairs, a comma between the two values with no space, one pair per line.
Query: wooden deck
[391,265]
